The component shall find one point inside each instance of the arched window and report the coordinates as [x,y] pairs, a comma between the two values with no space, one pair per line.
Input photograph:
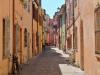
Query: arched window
[25,37]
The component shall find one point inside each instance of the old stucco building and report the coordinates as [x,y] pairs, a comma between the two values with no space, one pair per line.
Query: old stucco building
[90,19]
[85,34]
[6,26]
[21,31]
[60,27]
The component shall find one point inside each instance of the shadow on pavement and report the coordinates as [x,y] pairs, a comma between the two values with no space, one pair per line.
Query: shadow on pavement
[46,63]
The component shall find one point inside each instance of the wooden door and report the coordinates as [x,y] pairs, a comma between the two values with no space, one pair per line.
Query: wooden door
[20,45]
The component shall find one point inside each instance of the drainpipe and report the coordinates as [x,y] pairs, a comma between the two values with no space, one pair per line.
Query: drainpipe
[13,14]
[32,27]
[60,32]
[65,25]
[38,30]
[13,51]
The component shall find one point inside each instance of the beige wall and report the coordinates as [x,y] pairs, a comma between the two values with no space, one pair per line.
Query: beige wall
[79,54]
[91,63]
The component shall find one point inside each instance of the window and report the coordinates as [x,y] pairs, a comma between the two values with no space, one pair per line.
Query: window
[17,38]
[35,13]
[37,39]
[69,42]
[75,3]
[97,30]
[75,38]
[26,5]
[22,1]
[6,37]
[25,37]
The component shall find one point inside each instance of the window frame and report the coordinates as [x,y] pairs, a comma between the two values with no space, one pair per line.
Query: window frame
[75,45]
[6,38]
[25,38]
[97,29]
[26,5]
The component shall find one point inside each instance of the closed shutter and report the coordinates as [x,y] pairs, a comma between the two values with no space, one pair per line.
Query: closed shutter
[6,37]
[97,31]
[17,38]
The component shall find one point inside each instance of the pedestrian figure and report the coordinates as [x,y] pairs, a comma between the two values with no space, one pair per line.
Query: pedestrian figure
[44,47]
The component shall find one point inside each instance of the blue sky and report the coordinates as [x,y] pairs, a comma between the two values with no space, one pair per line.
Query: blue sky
[51,6]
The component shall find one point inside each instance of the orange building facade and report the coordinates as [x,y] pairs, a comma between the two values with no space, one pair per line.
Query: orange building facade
[5,20]
[19,30]
[38,19]
[83,36]
[88,21]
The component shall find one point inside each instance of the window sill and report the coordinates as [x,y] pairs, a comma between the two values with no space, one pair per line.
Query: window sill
[97,55]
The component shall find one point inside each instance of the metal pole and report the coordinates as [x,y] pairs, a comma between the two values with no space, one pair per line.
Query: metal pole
[32,28]
[65,24]
[13,27]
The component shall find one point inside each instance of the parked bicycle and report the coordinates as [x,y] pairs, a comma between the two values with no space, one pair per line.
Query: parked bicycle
[16,67]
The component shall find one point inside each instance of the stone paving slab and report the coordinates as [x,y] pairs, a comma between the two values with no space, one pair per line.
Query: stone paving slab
[51,62]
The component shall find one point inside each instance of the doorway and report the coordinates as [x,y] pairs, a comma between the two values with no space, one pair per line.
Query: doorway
[21,45]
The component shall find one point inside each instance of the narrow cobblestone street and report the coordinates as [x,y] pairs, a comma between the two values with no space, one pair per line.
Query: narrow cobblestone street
[51,62]
[69,30]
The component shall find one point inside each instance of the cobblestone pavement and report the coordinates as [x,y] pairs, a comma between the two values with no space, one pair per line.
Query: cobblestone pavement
[51,62]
